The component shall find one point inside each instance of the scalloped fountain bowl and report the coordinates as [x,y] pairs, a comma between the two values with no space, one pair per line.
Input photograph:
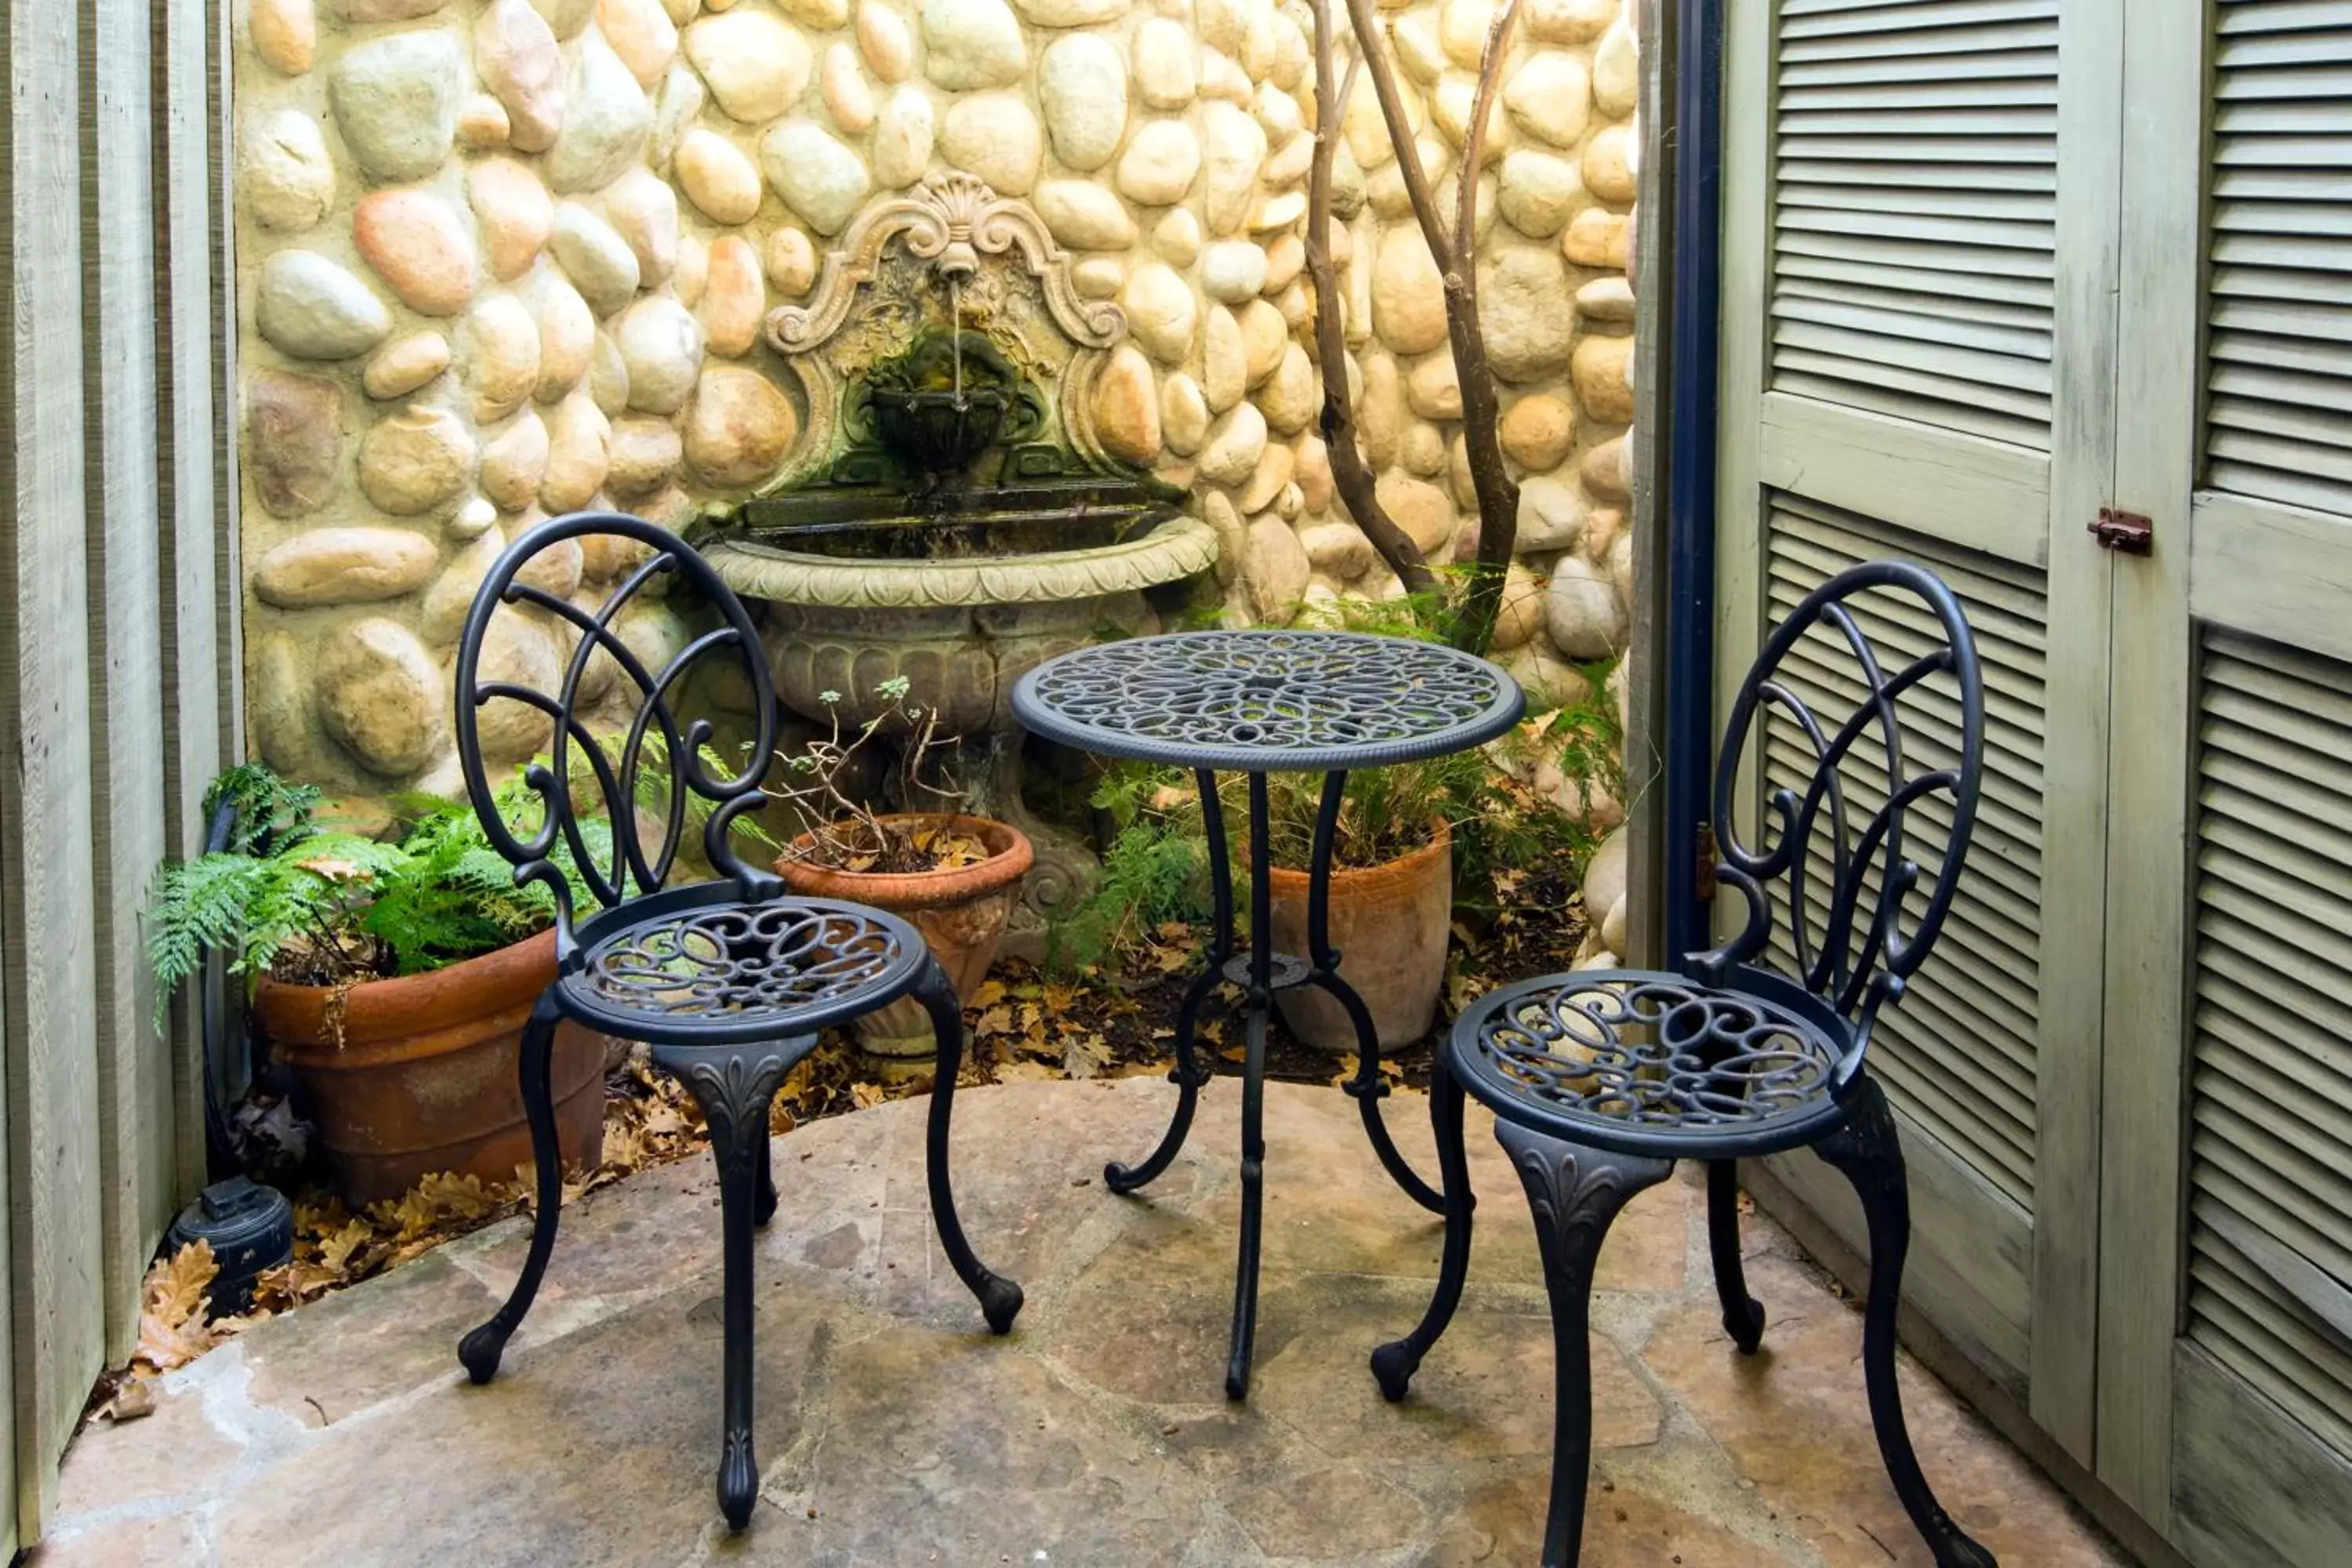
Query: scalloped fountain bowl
[958,592]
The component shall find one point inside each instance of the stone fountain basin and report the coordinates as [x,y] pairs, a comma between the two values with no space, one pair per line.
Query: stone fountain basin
[960,629]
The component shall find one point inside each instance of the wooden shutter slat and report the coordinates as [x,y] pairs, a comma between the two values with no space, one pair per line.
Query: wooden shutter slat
[1870,367]
[1881,197]
[1973,337]
[1816,170]
[1802,279]
[2239,17]
[2008,37]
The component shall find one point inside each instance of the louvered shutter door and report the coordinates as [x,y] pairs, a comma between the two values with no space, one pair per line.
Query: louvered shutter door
[1914,235]
[1919,247]
[2279,371]
[2269,1262]
[1958,1055]
[2225,1340]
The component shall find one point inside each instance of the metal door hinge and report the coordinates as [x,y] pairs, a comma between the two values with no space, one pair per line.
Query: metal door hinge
[1706,862]
[2126,531]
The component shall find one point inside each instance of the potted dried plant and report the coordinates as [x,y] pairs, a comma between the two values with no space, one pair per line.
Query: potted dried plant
[954,876]
[393,979]
[1418,848]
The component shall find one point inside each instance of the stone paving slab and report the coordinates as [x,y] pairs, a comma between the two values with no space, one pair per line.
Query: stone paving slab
[894,1430]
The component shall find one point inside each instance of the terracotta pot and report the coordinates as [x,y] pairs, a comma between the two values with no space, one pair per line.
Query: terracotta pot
[420,1076]
[962,912]
[1390,923]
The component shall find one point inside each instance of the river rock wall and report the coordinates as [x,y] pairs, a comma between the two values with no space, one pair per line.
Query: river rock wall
[502,259]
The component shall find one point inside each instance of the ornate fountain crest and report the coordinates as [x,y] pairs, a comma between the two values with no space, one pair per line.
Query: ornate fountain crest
[950,258]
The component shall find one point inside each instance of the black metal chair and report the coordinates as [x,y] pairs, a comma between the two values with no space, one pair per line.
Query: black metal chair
[1600,1080]
[728,979]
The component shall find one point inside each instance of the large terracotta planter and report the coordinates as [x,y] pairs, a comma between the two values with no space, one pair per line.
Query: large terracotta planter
[962,912]
[1390,923]
[420,1075]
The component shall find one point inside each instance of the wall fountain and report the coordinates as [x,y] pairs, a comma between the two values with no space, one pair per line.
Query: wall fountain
[950,516]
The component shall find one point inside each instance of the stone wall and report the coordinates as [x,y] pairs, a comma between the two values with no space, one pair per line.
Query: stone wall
[501,258]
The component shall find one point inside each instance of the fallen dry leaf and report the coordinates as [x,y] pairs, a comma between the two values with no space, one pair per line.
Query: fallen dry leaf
[174,1309]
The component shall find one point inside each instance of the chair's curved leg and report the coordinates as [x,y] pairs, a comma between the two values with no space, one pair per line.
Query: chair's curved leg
[1867,1149]
[1395,1364]
[1189,1074]
[1000,1298]
[1743,1315]
[1575,1193]
[735,1090]
[480,1351]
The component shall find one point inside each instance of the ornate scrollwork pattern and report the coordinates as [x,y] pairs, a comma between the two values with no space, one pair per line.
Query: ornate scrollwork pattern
[641,853]
[1874,934]
[945,212]
[725,961]
[1268,700]
[1636,1050]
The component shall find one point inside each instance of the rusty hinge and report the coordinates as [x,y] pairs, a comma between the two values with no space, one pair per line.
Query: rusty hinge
[1706,862]
[2126,531]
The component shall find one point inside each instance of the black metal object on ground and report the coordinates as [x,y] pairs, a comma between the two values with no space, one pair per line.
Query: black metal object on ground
[1599,1080]
[727,981]
[1260,702]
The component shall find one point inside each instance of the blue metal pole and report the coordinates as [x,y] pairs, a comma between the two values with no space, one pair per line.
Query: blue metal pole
[1695,283]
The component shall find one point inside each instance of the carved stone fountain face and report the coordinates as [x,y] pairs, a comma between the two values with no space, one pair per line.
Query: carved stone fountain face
[950,515]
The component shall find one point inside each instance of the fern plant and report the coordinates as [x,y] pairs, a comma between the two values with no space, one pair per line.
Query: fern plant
[302,903]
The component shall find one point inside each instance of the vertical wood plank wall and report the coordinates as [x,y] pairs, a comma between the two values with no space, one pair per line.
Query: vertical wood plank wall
[116,601]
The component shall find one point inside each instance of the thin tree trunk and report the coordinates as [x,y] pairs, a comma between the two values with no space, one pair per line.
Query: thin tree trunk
[1457,264]
[1350,473]
[1482,416]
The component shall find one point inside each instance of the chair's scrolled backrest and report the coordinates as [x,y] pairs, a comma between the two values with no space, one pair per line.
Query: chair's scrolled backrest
[646,834]
[1859,912]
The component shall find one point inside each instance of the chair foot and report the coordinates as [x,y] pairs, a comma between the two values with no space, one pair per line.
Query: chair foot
[739,1482]
[481,1349]
[1746,1326]
[1393,1365]
[1000,1303]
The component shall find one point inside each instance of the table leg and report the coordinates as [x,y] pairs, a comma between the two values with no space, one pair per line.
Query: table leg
[1188,1073]
[1368,1088]
[1261,1003]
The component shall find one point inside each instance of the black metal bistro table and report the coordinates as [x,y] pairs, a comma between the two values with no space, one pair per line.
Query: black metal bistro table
[1257,702]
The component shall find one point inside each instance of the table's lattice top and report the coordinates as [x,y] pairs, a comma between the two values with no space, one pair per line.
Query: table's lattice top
[789,961]
[1268,701]
[1643,1056]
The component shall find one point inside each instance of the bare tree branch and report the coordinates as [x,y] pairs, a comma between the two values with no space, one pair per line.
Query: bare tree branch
[1350,473]
[1371,47]
[1490,481]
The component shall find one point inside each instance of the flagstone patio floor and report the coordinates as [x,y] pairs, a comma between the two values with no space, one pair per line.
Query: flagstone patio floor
[895,1431]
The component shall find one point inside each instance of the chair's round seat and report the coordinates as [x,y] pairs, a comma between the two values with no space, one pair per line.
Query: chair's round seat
[697,966]
[1646,1062]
